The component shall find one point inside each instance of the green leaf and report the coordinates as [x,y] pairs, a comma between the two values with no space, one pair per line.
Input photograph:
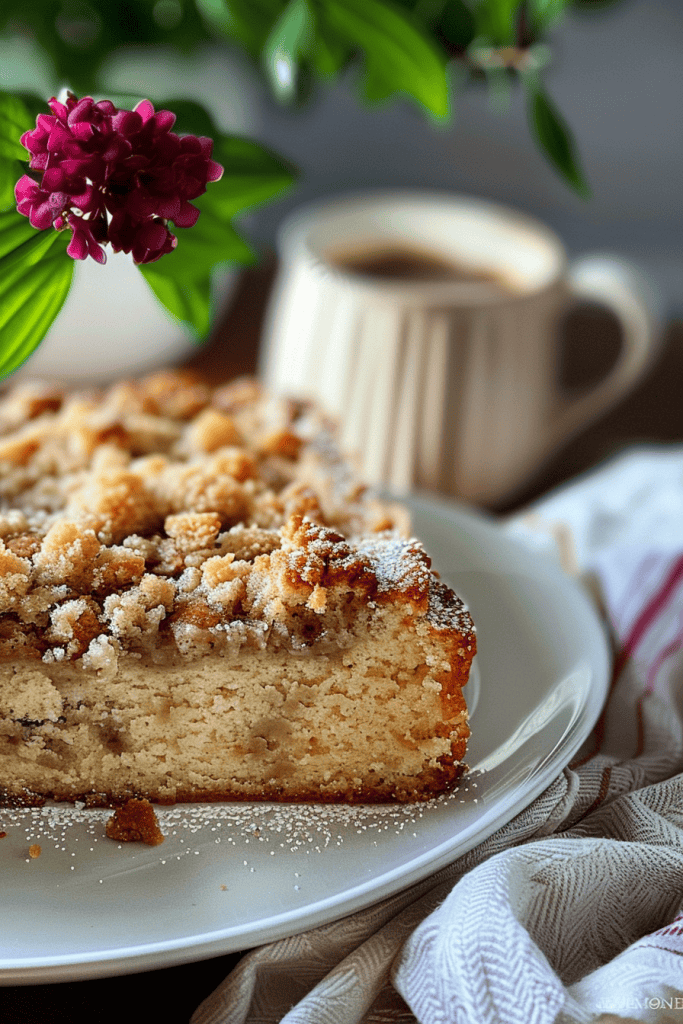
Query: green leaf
[457,24]
[10,172]
[543,14]
[191,117]
[35,104]
[20,241]
[248,21]
[397,51]
[290,39]
[554,136]
[376,88]
[35,276]
[218,15]
[189,301]
[496,21]
[428,12]
[329,54]
[14,121]
[77,36]
[182,280]
[210,242]
[251,175]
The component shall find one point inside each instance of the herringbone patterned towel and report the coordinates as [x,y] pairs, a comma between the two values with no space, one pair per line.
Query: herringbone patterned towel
[573,912]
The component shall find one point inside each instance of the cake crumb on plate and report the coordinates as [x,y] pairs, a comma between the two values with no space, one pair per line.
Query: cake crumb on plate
[135,822]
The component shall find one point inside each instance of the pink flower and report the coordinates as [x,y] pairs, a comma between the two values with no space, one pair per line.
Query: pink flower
[148,241]
[87,234]
[113,176]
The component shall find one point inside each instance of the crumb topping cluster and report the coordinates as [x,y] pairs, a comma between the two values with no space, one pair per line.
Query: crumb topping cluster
[163,518]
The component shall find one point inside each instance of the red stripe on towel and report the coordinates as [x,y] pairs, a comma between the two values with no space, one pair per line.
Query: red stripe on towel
[673,647]
[642,624]
[652,609]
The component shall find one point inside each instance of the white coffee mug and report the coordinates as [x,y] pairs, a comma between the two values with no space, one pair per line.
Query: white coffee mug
[428,324]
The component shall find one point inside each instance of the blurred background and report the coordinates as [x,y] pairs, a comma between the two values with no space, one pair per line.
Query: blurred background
[544,96]
[614,74]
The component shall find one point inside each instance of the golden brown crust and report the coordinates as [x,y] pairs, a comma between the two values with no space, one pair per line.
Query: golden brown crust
[158,508]
[425,786]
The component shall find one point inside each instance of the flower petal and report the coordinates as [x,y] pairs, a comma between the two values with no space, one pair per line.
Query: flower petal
[26,188]
[77,247]
[145,109]
[215,171]
[81,130]
[206,146]
[164,120]
[58,136]
[106,107]
[187,216]
[191,144]
[83,242]
[33,141]
[54,179]
[39,162]
[127,122]
[40,216]
[86,200]
[82,111]
[58,202]
[153,234]
[169,209]
[58,109]
[45,123]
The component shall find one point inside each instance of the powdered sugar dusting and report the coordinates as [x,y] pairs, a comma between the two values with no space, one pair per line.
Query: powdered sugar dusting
[402,567]
[75,838]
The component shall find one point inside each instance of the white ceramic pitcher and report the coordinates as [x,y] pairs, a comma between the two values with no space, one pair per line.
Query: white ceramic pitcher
[111,326]
[449,385]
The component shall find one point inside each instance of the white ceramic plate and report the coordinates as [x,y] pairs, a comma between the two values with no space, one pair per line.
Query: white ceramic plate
[229,877]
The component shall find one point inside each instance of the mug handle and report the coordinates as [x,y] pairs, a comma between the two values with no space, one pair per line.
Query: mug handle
[617,284]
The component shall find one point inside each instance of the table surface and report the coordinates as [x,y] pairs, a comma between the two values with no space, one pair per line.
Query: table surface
[652,413]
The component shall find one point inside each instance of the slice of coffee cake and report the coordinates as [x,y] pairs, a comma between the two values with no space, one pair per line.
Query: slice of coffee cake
[198,601]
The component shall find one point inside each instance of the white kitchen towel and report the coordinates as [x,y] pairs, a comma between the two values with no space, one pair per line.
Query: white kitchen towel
[573,912]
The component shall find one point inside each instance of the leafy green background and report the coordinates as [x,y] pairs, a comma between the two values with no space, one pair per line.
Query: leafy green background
[399,47]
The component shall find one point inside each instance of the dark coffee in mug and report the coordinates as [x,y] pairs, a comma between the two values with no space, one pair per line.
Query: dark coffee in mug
[406,264]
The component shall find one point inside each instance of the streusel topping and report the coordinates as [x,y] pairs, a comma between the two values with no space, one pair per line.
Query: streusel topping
[162,518]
